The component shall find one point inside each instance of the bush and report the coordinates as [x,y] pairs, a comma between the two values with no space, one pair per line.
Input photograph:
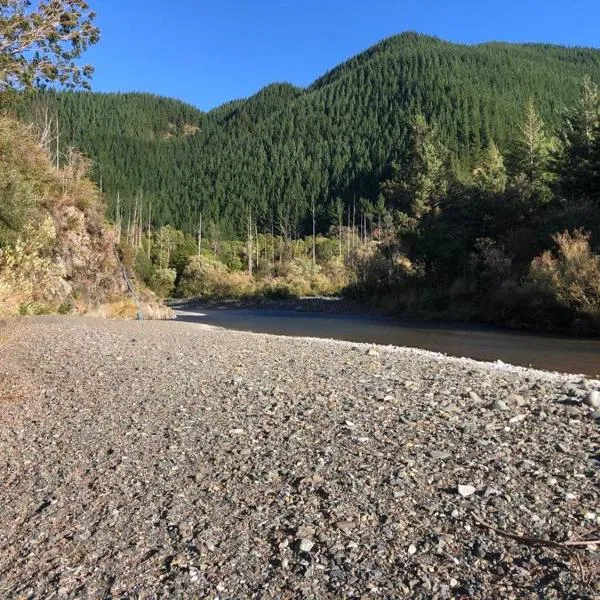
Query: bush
[144,267]
[162,282]
[208,277]
[571,278]
[29,275]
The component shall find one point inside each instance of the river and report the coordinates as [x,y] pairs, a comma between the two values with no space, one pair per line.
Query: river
[550,353]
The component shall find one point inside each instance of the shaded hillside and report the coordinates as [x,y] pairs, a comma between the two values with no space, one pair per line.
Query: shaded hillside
[284,147]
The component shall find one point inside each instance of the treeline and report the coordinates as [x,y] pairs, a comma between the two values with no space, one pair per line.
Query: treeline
[516,241]
[173,263]
[286,149]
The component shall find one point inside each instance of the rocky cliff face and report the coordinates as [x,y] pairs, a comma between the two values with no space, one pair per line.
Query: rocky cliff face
[57,252]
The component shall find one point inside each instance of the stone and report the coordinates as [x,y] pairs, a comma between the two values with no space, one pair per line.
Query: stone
[345,526]
[499,405]
[306,545]
[572,390]
[439,455]
[372,352]
[517,418]
[412,549]
[516,400]
[593,399]
[305,532]
[466,490]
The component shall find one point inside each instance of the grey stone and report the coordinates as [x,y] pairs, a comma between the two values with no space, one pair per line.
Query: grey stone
[440,454]
[345,526]
[499,405]
[515,400]
[593,399]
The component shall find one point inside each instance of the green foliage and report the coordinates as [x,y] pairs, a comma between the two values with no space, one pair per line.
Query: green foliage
[420,177]
[144,267]
[162,282]
[277,150]
[40,42]
[490,173]
[207,277]
[530,156]
[578,159]
[486,252]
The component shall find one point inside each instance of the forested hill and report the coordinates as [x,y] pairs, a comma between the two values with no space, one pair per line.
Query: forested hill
[279,150]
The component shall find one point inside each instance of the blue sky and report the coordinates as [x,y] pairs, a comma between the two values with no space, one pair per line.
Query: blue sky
[207,52]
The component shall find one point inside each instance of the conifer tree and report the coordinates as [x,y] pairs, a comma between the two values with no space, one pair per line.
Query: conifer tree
[530,158]
[490,174]
[577,161]
[420,177]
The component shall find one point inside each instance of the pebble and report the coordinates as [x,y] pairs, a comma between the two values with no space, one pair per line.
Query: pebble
[499,405]
[517,418]
[439,454]
[516,400]
[345,526]
[297,504]
[305,531]
[593,399]
[306,545]
[466,490]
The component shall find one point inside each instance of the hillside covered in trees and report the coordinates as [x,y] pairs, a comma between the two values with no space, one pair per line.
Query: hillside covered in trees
[428,178]
[280,151]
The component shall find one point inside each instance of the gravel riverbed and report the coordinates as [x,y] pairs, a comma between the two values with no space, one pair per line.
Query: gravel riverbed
[171,460]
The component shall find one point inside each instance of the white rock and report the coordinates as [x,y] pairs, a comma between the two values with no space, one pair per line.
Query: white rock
[466,490]
[517,418]
[412,549]
[306,545]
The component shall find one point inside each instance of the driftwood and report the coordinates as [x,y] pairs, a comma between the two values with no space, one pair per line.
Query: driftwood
[535,541]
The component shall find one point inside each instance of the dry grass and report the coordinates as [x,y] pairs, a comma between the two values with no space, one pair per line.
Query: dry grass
[572,276]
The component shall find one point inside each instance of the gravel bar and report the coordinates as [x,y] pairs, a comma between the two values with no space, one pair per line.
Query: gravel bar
[172,460]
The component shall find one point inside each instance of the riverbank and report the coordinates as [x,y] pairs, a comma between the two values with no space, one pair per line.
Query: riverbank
[481,342]
[329,305]
[173,460]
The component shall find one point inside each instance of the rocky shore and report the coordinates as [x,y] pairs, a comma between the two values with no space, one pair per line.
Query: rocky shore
[172,460]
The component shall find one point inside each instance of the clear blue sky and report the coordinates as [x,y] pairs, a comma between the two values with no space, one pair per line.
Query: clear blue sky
[207,52]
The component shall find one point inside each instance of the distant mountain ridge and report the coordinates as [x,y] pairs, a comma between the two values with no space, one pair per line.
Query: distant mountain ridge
[275,152]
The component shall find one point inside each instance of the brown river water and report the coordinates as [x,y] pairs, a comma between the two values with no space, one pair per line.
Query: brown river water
[550,353]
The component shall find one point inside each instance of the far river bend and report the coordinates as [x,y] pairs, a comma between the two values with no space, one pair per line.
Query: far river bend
[550,353]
